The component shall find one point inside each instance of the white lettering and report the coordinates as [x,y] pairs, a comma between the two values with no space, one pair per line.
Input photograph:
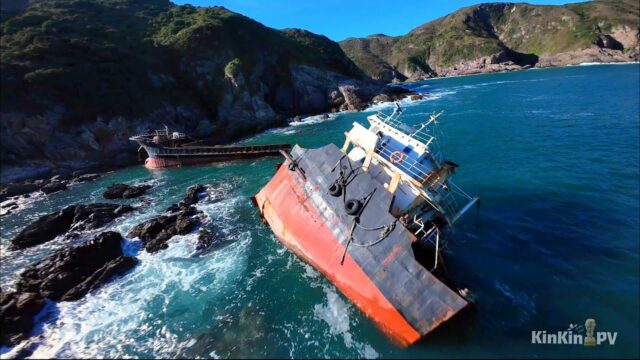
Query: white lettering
[612,337]
[600,337]
[535,337]
[562,337]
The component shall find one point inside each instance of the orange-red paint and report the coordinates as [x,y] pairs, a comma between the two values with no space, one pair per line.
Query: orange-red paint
[298,225]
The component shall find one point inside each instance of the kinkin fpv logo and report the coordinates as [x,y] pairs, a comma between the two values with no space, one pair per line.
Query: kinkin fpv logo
[574,336]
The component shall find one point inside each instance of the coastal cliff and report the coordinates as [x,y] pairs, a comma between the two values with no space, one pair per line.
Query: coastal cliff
[79,77]
[503,36]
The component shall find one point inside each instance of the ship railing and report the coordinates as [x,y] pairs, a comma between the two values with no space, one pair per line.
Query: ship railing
[455,201]
[419,133]
[407,165]
[161,132]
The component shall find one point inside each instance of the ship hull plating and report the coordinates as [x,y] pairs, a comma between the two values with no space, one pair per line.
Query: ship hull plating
[176,161]
[384,280]
[298,225]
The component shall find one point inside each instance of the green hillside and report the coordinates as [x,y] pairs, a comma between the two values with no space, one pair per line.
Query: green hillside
[520,33]
[125,57]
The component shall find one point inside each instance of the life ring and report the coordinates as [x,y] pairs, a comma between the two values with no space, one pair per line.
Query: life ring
[396,157]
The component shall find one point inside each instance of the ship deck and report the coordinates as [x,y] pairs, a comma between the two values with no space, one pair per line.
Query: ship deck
[379,244]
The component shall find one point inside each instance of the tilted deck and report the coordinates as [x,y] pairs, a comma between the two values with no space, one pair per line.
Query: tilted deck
[387,259]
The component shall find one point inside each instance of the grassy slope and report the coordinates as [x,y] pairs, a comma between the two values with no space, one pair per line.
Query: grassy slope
[99,57]
[487,29]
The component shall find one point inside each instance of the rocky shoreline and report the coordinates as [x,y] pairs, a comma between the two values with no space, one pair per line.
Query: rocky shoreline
[105,145]
[70,273]
[494,64]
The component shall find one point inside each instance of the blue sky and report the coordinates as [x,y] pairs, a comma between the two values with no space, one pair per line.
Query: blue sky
[340,19]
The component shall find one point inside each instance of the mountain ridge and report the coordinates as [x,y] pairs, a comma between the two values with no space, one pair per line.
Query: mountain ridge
[492,37]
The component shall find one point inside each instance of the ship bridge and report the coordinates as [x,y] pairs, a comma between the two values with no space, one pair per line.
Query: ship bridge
[411,166]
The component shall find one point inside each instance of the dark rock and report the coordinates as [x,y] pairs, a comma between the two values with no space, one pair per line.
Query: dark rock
[156,232]
[192,194]
[85,178]
[184,223]
[15,189]
[10,205]
[53,187]
[608,42]
[380,98]
[94,216]
[415,97]
[46,228]
[150,229]
[17,311]
[71,273]
[112,268]
[182,219]
[60,177]
[206,240]
[74,217]
[124,191]
[192,198]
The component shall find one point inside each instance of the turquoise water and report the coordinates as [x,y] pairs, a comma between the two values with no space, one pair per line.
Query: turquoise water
[554,156]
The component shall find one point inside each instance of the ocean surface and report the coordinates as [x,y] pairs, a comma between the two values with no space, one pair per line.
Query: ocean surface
[552,153]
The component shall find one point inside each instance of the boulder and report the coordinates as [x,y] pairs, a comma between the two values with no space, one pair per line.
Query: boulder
[156,232]
[85,178]
[17,312]
[15,189]
[60,177]
[124,191]
[380,98]
[53,187]
[192,198]
[46,228]
[181,219]
[69,274]
[207,240]
[193,193]
[74,217]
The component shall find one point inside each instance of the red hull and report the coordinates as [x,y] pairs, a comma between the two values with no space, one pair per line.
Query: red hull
[162,163]
[285,207]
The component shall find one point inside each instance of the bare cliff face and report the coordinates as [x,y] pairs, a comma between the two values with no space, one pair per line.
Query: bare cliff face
[503,36]
[81,76]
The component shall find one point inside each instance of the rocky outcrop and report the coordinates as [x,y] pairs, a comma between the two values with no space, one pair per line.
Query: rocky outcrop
[54,184]
[69,274]
[17,313]
[486,64]
[74,218]
[53,187]
[181,219]
[124,191]
[592,54]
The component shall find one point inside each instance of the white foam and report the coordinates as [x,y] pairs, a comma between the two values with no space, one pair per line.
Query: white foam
[22,202]
[606,63]
[315,119]
[129,314]
[336,313]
